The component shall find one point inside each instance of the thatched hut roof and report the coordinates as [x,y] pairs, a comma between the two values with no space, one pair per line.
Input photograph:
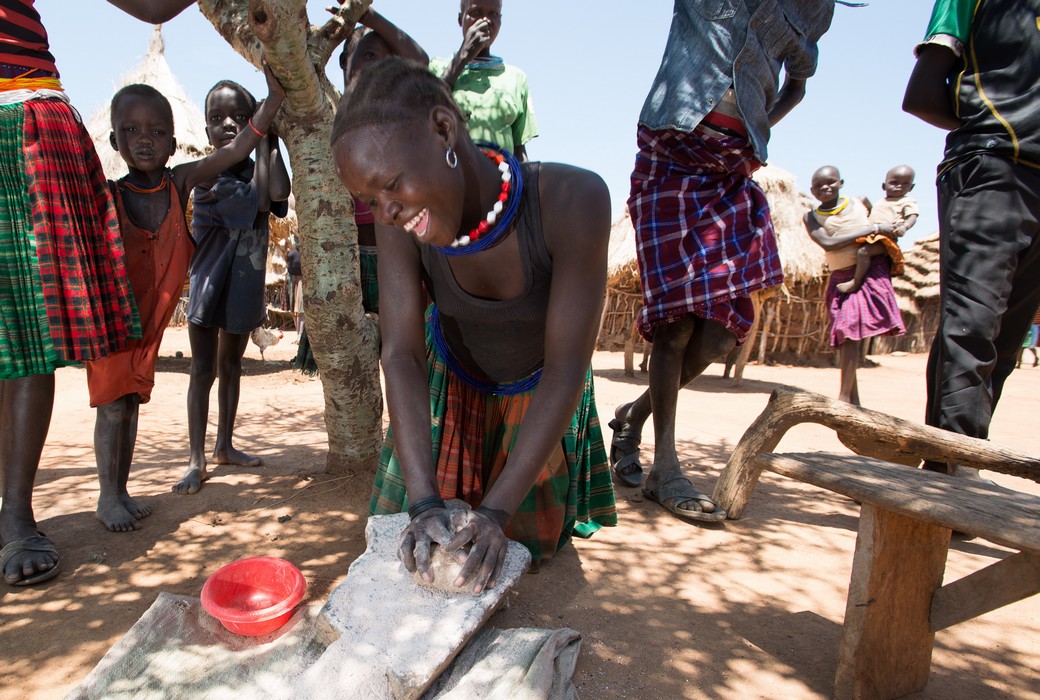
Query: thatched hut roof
[919,282]
[189,123]
[802,259]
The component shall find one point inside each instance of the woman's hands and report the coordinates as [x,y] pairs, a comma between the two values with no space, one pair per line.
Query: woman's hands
[457,531]
[425,530]
[487,544]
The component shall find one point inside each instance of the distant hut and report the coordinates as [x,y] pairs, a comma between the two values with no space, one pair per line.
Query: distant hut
[189,123]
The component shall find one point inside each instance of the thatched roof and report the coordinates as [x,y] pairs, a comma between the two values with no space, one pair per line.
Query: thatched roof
[802,259]
[920,279]
[189,123]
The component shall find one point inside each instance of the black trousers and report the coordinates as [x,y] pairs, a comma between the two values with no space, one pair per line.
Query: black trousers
[989,224]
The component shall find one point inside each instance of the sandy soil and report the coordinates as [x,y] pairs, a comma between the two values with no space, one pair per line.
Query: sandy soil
[751,609]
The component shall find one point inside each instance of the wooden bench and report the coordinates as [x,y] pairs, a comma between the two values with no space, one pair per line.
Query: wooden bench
[897,600]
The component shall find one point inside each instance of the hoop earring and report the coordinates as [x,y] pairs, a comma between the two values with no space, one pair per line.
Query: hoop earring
[451,158]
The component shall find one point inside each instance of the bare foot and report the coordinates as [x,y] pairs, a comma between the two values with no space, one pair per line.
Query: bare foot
[137,509]
[191,482]
[233,456]
[847,287]
[114,515]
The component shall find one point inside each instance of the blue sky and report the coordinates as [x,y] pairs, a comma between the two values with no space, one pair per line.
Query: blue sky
[590,65]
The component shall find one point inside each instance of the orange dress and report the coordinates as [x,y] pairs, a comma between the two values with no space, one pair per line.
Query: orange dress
[157,265]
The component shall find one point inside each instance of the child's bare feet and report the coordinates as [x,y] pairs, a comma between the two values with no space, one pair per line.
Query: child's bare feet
[232,456]
[847,287]
[192,480]
[120,513]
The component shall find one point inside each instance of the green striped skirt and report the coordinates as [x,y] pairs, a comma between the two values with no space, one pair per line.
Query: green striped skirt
[473,433]
[64,294]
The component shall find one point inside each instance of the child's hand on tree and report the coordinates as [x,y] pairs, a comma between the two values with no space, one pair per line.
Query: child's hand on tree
[275,91]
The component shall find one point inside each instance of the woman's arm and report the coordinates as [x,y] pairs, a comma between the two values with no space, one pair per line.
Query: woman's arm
[576,223]
[844,239]
[403,356]
[927,92]
[153,11]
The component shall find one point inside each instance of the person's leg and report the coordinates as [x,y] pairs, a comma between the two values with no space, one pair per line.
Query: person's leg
[849,362]
[989,212]
[25,415]
[115,435]
[682,351]
[862,265]
[629,418]
[229,372]
[203,371]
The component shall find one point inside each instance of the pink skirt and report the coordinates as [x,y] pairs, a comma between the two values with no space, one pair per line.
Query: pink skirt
[869,311]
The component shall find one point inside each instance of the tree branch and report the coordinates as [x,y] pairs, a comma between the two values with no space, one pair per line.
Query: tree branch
[325,40]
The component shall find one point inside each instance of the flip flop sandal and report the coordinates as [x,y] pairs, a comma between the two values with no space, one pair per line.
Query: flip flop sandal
[671,499]
[626,466]
[36,543]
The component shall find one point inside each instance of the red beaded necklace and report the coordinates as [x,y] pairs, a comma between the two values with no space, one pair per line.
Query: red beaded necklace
[500,203]
[146,190]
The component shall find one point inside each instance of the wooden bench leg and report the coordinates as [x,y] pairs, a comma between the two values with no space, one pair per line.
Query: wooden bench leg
[886,641]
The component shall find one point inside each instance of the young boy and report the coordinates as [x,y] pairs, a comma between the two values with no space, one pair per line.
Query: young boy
[150,201]
[899,210]
[978,76]
[493,94]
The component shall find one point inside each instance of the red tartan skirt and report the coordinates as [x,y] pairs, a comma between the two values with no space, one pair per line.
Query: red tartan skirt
[64,293]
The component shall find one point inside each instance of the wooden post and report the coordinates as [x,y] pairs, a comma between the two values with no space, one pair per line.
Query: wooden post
[630,349]
[745,349]
[766,323]
[886,641]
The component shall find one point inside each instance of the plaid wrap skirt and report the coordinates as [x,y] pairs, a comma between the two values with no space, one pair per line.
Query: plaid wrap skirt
[64,293]
[473,433]
[704,236]
[869,311]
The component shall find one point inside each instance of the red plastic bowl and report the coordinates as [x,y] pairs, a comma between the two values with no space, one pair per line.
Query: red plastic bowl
[254,596]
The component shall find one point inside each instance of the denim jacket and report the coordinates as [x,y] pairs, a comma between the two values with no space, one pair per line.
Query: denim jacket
[713,44]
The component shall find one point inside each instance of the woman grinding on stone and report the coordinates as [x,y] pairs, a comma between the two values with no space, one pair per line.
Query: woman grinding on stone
[514,258]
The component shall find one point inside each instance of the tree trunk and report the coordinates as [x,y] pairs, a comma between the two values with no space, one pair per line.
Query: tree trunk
[345,341]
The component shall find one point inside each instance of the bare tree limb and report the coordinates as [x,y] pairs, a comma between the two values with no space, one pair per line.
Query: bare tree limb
[325,40]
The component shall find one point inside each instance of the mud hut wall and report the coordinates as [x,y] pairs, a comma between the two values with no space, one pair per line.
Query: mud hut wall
[798,326]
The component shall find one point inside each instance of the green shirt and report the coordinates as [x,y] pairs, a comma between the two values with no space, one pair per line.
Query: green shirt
[496,102]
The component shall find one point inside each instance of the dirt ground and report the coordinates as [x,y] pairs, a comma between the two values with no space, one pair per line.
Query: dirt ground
[750,609]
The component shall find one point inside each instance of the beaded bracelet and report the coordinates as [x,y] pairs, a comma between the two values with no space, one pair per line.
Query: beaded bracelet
[255,130]
[424,505]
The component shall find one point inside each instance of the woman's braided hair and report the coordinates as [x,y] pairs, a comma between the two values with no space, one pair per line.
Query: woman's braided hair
[391,91]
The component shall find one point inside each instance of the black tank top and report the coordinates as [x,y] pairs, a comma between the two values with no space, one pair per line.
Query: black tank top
[498,340]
